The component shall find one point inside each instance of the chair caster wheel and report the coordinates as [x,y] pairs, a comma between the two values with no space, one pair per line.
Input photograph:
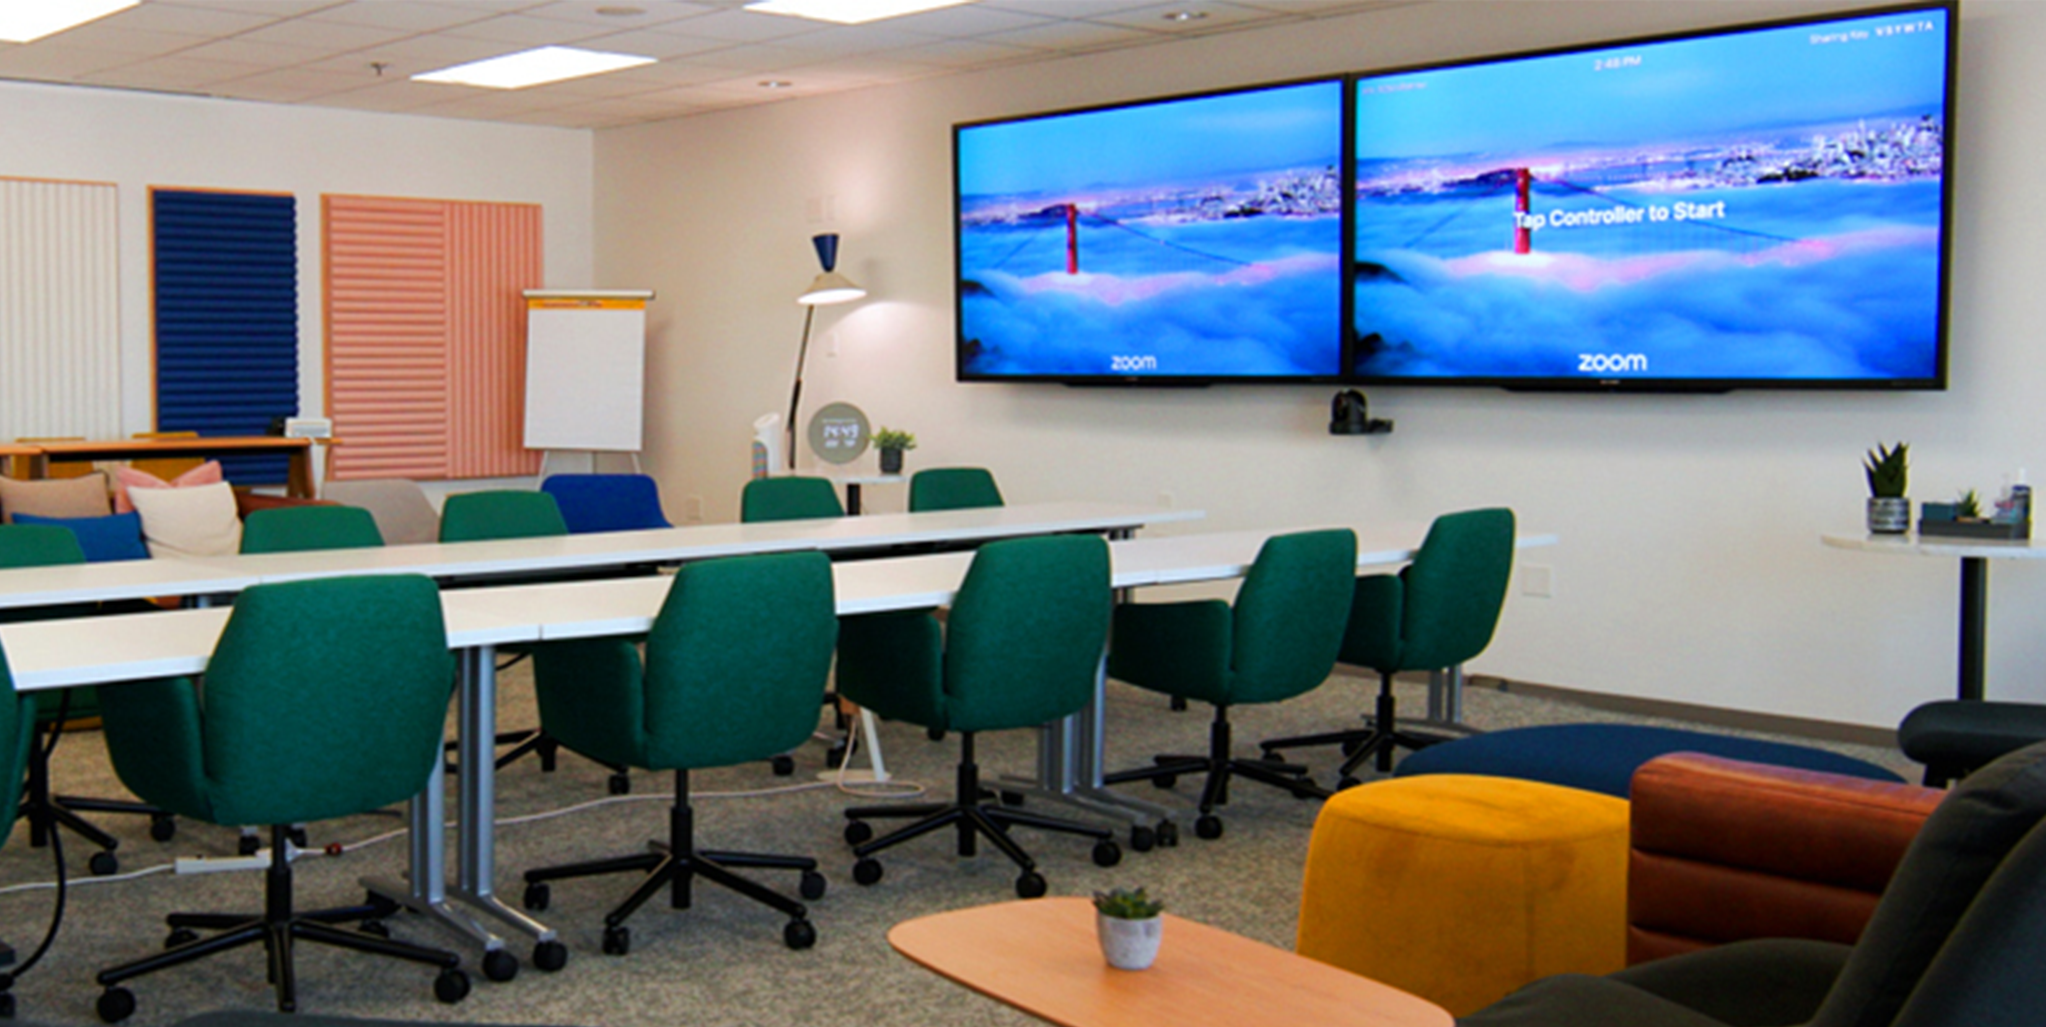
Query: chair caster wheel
[379,929]
[619,784]
[799,934]
[1165,781]
[1031,885]
[499,965]
[934,734]
[1142,838]
[867,871]
[296,836]
[858,832]
[1346,781]
[834,757]
[1012,798]
[6,1006]
[783,765]
[1208,826]
[163,828]
[1107,853]
[248,845]
[617,941]
[1168,833]
[451,986]
[103,864]
[380,906]
[180,936]
[536,897]
[1351,746]
[812,887]
[550,956]
[115,1005]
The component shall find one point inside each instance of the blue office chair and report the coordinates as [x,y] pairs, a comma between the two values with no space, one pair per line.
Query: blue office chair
[607,502]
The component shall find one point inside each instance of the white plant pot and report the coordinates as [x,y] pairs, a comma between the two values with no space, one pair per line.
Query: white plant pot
[1889,515]
[1130,944]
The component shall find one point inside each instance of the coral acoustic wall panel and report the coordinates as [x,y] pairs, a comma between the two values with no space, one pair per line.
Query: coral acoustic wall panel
[226,267]
[426,335]
[60,306]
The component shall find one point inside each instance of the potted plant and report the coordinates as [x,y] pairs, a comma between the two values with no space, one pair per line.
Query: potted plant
[1889,513]
[1130,927]
[891,443]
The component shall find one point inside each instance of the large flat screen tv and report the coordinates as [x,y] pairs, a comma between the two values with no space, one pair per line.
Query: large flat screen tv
[1184,240]
[1759,206]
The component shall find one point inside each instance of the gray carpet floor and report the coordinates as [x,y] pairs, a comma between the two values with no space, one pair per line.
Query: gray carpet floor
[721,962]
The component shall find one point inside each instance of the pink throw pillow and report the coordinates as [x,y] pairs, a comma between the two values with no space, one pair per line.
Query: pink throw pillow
[126,478]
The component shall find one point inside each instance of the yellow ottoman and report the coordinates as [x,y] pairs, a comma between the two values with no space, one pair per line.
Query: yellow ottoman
[1461,888]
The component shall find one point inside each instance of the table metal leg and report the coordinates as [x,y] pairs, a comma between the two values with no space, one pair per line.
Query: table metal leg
[425,892]
[476,852]
[1069,758]
[1974,625]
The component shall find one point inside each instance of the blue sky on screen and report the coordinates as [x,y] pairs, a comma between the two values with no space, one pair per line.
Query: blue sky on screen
[1171,141]
[1793,76]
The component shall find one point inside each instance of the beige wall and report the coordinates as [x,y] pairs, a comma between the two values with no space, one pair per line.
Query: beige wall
[1690,567]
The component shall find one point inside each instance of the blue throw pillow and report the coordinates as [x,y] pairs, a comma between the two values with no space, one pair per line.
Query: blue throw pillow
[118,537]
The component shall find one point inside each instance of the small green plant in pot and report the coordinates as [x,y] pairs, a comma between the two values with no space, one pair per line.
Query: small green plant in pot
[891,443]
[1888,468]
[1968,507]
[1130,927]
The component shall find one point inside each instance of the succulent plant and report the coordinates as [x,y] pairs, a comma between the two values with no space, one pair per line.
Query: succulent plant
[1887,470]
[1127,904]
[1968,506]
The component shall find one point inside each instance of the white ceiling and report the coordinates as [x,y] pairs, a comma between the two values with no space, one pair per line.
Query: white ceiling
[360,54]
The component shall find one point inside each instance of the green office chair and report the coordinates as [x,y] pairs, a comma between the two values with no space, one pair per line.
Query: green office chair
[1436,613]
[17,731]
[24,545]
[293,529]
[1278,641]
[734,669]
[1021,648]
[788,499]
[369,689]
[952,488]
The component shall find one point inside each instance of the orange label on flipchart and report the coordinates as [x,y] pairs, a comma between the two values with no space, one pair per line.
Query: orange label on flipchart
[582,303]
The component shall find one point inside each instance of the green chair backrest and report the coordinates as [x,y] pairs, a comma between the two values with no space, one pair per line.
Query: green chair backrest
[1025,637]
[37,545]
[503,513]
[737,659]
[952,488]
[323,698]
[1288,619]
[291,529]
[789,499]
[1455,588]
[17,719]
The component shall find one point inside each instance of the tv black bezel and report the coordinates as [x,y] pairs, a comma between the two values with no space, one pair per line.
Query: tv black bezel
[1348,343]
[1347,170]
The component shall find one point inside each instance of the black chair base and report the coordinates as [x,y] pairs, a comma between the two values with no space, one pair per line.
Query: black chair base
[1220,767]
[46,812]
[973,820]
[675,866]
[278,929]
[1379,740]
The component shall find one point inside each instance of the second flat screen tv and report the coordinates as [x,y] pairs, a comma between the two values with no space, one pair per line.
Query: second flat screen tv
[1193,239]
[1760,206]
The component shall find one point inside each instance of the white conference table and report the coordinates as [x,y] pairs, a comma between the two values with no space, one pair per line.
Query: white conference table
[840,536]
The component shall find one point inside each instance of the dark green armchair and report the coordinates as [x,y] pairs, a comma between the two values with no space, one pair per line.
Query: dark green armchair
[788,498]
[1277,641]
[953,488]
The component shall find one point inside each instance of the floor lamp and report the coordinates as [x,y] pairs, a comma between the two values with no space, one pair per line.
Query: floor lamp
[827,288]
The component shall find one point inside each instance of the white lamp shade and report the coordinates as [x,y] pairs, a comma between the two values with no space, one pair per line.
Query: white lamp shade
[828,288]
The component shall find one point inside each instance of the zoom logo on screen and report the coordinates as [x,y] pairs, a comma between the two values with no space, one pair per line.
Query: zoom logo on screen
[1606,363]
[1126,363]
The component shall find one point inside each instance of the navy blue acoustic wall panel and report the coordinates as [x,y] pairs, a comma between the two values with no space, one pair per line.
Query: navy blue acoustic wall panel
[226,318]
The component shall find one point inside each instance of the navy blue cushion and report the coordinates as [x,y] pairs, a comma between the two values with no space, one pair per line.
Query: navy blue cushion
[1603,757]
[606,502]
[118,537]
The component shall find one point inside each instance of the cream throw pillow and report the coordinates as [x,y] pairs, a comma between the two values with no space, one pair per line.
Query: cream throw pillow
[83,496]
[195,521]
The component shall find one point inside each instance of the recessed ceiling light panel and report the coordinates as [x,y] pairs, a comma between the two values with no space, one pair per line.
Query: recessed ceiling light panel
[24,20]
[848,12]
[533,67]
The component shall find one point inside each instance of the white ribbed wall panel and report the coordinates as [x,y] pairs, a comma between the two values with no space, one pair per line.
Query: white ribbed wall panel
[60,330]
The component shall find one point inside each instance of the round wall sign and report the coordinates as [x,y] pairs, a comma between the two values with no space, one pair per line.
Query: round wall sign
[839,433]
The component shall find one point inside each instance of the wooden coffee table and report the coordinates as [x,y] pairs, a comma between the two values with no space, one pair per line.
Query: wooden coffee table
[1040,955]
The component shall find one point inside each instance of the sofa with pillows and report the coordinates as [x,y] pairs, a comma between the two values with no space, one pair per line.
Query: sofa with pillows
[131,514]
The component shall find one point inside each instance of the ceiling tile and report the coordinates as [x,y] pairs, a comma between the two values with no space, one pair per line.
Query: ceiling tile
[109,35]
[1073,35]
[398,95]
[423,53]
[242,50]
[656,44]
[291,85]
[325,36]
[410,16]
[1066,8]
[176,73]
[523,31]
[960,54]
[655,12]
[196,20]
[741,26]
[54,63]
[268,8]
[966,20]
[1213,17]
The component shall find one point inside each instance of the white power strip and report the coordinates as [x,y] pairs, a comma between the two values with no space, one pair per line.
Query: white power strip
[222,864]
